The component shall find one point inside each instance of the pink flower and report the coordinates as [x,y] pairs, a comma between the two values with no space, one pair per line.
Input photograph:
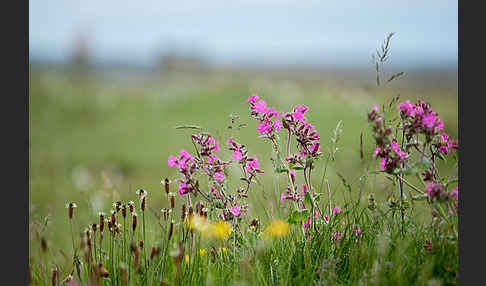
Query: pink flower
[235,210]
[383,164]
[218,195]
[185,154]
[407,107]
[397,150]
[357,231]
[377,150]
[298,115]
[271,112]
[237,155]
[429,120]
[440,124]
[301,108]
[183,189]
[230,141]
[282,196]
[375,108]
[172,160]
[181,164]
[219,176]
[336,210]
[253,98]
[277,124]
[212,158]
[254,163]
[260,106]
[304,189]
[264,127]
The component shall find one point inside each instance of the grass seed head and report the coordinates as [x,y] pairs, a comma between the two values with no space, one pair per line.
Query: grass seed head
[124,210]
[183,212]
[117,205]
[131,206]
[171,230]
[102,272]
[143,204]
[43,245]
[55,276]
[166,185]
[134,221]
[102,221]
[113,217]
[172,200]
[71,206]
[141,193]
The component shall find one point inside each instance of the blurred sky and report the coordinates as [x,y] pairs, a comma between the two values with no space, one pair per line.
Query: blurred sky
[315,32]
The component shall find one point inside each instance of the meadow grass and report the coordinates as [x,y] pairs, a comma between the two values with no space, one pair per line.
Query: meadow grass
[94,144]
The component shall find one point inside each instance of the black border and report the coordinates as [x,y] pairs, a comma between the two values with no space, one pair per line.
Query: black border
[471,172]
[16,125]
[15,138]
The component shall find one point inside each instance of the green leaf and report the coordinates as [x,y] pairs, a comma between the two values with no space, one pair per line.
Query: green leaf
[419,197]
[189,127]
[293,167]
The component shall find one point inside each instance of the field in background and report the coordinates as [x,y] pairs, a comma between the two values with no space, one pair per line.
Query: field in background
[96,137]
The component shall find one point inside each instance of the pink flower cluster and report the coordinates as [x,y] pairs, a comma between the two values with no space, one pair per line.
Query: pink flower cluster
[295,122]
[392,157]
[210,163]
[240,154]
[306,135]
[445,145]
[294,194]
[438,193]
[187,167]
[420,118]
[268,117]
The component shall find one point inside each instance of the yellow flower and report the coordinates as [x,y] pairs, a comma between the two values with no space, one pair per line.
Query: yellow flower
[222,249]
[202,251]
[276,228]
[187,258]
[221,229]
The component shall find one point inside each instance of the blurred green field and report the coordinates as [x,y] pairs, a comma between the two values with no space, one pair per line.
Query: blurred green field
[95,139]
